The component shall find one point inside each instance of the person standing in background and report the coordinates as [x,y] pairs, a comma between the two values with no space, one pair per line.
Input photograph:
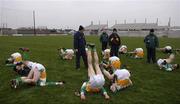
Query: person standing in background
[114,43]
[104,40]
[79,47]
[152,43]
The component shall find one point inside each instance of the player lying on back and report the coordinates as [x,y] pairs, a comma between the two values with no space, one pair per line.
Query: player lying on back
[37,76]
[123,49]
[168,50]
[138,53]
[166,63]
[120,78]
[96,78]
[66,54]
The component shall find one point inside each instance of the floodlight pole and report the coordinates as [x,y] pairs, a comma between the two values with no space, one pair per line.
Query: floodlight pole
[34,23]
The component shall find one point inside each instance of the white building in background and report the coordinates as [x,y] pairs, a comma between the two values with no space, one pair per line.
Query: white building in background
[95,29]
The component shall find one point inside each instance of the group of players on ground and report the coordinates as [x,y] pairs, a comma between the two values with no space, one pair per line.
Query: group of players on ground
[33,73]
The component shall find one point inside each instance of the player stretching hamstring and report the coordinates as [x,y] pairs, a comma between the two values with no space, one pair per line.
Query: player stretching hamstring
[96,79]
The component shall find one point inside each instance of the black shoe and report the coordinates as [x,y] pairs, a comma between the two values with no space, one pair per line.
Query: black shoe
[24,49]
[61,83]
[14,83]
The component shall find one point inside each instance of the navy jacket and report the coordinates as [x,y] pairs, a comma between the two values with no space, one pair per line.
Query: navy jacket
[79,41]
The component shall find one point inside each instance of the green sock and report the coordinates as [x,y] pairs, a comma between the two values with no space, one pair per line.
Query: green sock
[10,65]
[94,49]
[18,80]
[25,56]
[51,83]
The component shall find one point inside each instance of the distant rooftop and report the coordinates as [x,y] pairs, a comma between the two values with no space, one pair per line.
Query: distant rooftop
[138,26]
[96,27]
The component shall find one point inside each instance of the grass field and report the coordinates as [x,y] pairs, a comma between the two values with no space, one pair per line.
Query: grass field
[151,86]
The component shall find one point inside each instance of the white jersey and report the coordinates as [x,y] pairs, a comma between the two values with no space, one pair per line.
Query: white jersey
[139,50]
[122,74]
[168,47]
[16,55]
[160,61]
[33,65]
[113,58]
[69,51]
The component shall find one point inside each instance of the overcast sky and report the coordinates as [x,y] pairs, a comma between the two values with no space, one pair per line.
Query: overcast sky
[72,13]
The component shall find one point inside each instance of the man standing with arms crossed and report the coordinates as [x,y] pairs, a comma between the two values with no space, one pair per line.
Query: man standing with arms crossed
[79,46]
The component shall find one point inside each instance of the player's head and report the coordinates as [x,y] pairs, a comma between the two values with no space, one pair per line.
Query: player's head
[106,53]
[115,30]
[151,30]
[81,28]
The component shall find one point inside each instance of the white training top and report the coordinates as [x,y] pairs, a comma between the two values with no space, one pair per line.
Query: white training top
[16,55]
[113,58]
[168,47]
[160,61]
[69,51]
[33,65]
[139,50]
[122,74]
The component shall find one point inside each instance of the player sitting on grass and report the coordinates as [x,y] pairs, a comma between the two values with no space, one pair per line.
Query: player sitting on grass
[107,60]
[37,76]
[138,53]
[96,78]
[123,49]
[120,78]
[66,54]
[167,63]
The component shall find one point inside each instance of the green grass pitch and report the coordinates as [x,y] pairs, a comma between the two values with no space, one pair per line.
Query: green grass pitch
[151,85]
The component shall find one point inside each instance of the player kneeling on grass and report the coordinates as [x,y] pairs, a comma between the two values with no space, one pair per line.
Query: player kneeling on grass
[120,78]
[123,49]
[37,76]
[96,78]
[66,54]
[138,53]
[167,63]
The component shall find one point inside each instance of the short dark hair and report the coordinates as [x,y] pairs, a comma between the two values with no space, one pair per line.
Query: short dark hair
[114,29]
[81,27]
[151,30]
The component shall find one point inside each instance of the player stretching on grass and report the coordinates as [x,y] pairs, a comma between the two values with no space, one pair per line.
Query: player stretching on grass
[120,78]
[37,76]
[96,78]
